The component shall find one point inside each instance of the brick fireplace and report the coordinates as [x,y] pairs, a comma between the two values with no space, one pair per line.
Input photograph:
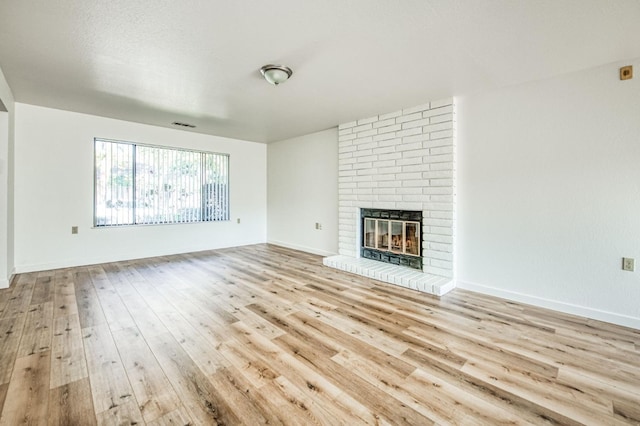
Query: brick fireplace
[401,161]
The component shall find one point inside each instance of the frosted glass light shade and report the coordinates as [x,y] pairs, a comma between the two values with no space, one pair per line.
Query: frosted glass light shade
[276,74]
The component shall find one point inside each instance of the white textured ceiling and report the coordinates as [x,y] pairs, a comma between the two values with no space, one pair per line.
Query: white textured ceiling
[159,61]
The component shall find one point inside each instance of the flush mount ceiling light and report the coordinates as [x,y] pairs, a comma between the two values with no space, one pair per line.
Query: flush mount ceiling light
[276,74]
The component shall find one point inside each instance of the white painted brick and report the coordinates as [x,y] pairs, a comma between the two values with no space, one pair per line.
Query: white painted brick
[441,230]
[347,125]
[437,222]
[440,182]
[416,153]
[387,170]
[432,128]
[412,160]
[362,178]
[394,198]
[419,108]
[349,148]
[368,146]
[345,167]
[445,158]
[414,183]
[362,140]
[415,138]
[440,255]
[409,146]
[441,239]
[385,191]
[409,190]
[367,185]
[370,171]
[441,135]
[409,132]
[367,158]
[441,174]
[409,175]
[367,197]
[348,160]
[363,153]
[409,117]
[441,102]
[438,271]
[441,118]
[345,191]
[384,150]
[344,132]
[442,150]
[347,185]
[440,247]
[437,190]
[361,166]
[379,177]
[438,111]
[362,128]
[347,137]
[442,214]
[416,198]
[416,168]
[442,198]
[367,120]
[390,115]
[383,123]
[439,206]
[438,142]
[346,173]
[385,163]
[345,155]
[389,129]
[390,156]
[368,133]
[442,166]
[389,142]
[444,264]
[408,206]
[417,123]
[387,184]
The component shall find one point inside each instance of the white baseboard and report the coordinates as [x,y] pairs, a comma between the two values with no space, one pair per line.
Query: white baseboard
[70,263]
[301,248]
[5,283]
[596,314]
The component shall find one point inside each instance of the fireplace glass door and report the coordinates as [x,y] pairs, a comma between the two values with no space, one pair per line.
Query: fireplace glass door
[396,236]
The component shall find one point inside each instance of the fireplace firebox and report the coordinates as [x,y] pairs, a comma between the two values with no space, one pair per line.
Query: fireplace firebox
[392,236]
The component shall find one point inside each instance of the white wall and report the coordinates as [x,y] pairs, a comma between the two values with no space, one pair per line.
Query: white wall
[549,193]
[303,190]
[54,190]
[6,182]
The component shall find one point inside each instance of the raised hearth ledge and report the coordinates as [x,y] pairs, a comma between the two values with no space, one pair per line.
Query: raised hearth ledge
[398,275]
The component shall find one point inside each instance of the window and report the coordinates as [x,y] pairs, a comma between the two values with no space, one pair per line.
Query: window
[141,184]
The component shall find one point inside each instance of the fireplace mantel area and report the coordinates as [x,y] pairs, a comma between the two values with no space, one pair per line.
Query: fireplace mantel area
[403,161]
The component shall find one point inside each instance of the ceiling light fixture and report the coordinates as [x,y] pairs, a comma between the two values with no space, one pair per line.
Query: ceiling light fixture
[276,74]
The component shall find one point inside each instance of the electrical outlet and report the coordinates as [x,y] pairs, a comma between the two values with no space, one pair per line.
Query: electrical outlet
[318,225]
[74,229]
[628,264]
[626,73]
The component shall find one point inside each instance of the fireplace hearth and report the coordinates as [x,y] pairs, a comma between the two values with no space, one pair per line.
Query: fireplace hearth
[392,236]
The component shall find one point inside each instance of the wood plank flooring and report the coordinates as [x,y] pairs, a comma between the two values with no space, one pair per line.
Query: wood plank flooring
[266,335]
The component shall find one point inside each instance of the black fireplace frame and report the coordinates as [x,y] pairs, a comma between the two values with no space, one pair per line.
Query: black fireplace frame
[410,261]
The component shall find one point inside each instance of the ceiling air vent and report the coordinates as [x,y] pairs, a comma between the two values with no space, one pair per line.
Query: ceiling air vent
[177,123]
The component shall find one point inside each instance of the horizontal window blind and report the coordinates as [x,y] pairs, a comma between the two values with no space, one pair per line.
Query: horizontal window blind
[143,184]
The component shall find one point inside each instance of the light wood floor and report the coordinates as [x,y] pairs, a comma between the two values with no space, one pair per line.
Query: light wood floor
[262,334]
